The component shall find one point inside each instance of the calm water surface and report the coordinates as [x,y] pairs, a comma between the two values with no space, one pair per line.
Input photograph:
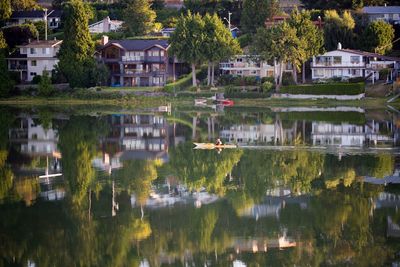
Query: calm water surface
[110,187]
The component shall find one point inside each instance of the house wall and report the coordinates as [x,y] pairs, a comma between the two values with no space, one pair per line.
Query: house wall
[39,59]
[245,67]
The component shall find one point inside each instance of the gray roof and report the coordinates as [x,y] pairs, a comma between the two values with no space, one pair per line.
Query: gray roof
[35,14]
[138,45]
[381,9]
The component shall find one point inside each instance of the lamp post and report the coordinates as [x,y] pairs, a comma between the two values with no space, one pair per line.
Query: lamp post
[45,22]
[228,20]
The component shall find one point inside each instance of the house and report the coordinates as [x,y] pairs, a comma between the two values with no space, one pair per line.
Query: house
[245,66]
[288,5]
[347,63]
[105,25]
[137,62]
[22,17]
[167,32]
[33,58]
[390,14]
[178,4]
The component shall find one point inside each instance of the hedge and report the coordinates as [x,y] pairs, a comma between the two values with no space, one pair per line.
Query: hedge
[246,95]
[326,116]
[325,89]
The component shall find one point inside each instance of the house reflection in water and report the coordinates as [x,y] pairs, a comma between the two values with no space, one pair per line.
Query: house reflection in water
[38,146]
[344,134]
[135,136]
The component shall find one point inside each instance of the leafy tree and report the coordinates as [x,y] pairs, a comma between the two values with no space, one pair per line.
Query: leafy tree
[187,41]
[256,12]
[5,10]
[6,83]
[218,43]
[311,36]
[24,4]
[378,37]
[338,29]
[76,53]
[19,34]
[279,43]
[40,27]
[139,17]
[45,87]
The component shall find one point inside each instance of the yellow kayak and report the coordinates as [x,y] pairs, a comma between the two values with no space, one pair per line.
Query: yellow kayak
[213,146]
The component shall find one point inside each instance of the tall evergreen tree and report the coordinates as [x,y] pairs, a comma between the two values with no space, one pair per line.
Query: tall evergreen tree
[6,83]
[256,12]
[338,29]
[187,41]
[139,17]
[76,53]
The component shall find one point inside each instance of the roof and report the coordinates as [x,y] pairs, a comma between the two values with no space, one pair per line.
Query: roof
[369,54]
[137,45]
[381,9]
[42,43]
[35,14]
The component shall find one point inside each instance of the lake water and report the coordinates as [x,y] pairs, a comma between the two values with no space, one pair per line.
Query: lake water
[118,187]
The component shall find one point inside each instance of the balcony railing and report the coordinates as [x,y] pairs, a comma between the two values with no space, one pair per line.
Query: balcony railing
[18,67]
[343,64]
[132,58]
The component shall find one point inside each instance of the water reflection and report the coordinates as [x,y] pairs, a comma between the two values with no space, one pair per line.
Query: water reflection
[134,192]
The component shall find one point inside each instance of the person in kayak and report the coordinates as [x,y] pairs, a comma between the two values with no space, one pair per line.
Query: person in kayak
[218,142]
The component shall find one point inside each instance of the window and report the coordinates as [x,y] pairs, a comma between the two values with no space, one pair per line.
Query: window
[44,51]
[33,51]
[354,59]
[24,51]
[154,53]
[337,60]
[33,74]
[33,63]
[318,73]
[158,80]
[239,60]
[162,53]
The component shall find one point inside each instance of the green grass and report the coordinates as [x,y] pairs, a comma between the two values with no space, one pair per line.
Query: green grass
[325,89]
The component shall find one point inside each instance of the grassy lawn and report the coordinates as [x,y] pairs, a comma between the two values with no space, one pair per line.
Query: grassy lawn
[132,89]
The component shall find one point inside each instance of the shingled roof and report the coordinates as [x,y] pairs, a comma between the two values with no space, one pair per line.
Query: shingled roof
[35,14]
[137,45]
[381,9]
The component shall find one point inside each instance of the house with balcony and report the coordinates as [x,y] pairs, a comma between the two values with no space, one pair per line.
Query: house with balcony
[105,25]
[347,63]
[390,14]
[22,17]
[137,62]
[33,58]
[245,66]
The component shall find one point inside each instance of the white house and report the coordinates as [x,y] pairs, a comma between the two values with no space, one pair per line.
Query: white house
[21,17]
[33,58]
[105,25]
[346,63]
[245,66]
[390,14]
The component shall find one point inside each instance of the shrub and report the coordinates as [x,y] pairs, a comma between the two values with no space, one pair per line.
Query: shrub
[268,79]
[383,74]
[325,89]
[357,80]
[45,87]
[267,87]
[287,79]
[36,79]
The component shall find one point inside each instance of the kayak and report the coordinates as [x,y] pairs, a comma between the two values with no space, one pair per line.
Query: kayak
[213,146]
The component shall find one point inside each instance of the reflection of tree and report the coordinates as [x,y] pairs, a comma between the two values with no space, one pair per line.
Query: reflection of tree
[199,168]
[6,175]
[78,139]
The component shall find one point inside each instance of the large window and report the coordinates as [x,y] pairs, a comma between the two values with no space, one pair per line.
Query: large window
[33,51]
[33,63]
[337,60]
[354,59]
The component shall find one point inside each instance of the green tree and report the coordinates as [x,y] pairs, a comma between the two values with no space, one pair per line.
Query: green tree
[282,44]
[255,13]
[139,17]
[76,53]
[6,83]
[311,36]
[187,41]
[45,87]
[338,29]
[378,37]
[5,10]
[218,43]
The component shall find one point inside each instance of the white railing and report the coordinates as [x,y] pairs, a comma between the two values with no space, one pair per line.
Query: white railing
[132,58]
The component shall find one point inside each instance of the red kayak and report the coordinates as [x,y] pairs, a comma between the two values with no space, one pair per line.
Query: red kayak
[226,102]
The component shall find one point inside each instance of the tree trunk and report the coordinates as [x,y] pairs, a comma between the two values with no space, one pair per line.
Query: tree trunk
[174,70]
[209,74]
[278,86]
[303,72]
[212,74]
[294,74]
[194,79]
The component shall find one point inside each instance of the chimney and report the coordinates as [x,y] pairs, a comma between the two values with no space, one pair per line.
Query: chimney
[339,46]
[104,40]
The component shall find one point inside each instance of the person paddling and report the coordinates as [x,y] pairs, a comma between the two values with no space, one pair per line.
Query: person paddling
[218,142]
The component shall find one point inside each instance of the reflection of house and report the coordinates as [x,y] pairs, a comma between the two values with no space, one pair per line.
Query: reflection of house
[263,244]
[137,62]
[33,58]
[33,139]
[346,63]
[105,25]
[348,134]
[390,14]
[244,66]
